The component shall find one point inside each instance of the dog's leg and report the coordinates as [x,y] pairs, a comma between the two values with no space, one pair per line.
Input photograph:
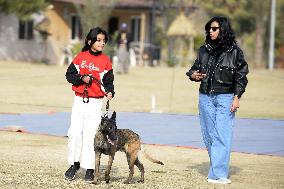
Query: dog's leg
[141,169]
[130,161]
[97,167]
[110,160]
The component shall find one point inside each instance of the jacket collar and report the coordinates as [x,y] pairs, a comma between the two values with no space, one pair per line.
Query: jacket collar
[213,49]
[208,47]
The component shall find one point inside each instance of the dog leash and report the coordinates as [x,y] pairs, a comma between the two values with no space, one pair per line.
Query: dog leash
[87,85]
[86,95]
[107,108]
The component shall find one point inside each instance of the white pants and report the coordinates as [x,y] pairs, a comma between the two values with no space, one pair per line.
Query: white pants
[85,119]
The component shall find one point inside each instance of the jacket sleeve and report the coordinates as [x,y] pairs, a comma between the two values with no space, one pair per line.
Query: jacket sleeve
[193,68]
[108,79]
[241,80]
[73,76]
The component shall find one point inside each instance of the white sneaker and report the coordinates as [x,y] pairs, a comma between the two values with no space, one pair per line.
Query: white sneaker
[219,181]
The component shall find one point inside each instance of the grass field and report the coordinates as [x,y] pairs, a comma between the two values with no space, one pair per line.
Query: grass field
[35,88]
[39,161]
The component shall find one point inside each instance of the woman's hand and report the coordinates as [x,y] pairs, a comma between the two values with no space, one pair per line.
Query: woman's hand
[197,76]
[235,105]
[109,95]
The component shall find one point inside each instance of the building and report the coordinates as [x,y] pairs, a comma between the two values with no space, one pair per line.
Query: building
[47,36]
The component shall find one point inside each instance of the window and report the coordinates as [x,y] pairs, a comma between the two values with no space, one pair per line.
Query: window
[76,27]
[112,25]
[26,29]
[135,28]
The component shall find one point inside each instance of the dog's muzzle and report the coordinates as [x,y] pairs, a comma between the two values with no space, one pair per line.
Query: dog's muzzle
[112,141]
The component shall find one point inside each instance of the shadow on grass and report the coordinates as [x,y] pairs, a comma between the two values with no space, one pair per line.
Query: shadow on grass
[113,175]
[204,167]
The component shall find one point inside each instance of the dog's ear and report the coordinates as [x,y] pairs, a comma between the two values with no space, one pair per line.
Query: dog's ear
[105,115]
[103,119]
[113,116]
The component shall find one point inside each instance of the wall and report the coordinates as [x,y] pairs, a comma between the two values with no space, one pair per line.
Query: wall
[13,48]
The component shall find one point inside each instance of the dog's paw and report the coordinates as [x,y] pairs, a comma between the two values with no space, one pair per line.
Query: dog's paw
[127,182]
[107,179]
[140,181]
[96,181]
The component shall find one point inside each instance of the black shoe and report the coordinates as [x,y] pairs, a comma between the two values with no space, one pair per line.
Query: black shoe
[70,173]
[89,177]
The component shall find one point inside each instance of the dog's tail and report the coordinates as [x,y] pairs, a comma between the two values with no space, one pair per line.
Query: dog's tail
[147,156]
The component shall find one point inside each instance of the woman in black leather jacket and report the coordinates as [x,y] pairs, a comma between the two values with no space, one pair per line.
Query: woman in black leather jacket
[222,70]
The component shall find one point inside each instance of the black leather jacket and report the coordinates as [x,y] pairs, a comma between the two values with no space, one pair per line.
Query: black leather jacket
[225,73]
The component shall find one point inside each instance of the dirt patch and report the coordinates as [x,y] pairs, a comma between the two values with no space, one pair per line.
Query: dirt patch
[39,161]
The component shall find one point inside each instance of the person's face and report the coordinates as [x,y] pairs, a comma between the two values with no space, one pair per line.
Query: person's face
[214,30]
[99,44]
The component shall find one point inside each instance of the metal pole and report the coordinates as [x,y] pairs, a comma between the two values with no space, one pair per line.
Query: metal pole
[142,38]
[272,35]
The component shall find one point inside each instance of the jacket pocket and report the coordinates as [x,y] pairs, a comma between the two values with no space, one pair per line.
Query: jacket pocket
[225,74]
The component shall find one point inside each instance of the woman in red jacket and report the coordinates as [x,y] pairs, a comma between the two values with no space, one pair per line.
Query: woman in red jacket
[89,69]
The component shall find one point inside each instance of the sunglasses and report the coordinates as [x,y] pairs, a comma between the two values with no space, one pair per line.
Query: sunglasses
[213,28]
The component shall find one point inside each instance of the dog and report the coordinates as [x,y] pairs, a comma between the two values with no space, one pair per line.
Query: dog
[109,140]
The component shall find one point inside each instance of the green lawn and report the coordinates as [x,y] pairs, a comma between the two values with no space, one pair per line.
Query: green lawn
[35,88]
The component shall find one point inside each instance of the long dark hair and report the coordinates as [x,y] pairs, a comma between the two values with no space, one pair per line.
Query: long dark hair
[226,37]
[92,35]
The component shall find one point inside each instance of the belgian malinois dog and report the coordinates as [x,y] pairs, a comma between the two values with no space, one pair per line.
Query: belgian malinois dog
[109,140]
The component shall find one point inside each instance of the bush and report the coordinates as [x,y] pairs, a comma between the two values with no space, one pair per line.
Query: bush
[172,61]
[76,48]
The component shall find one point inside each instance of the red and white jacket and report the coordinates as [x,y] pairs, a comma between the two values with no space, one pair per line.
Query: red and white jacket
[97,65]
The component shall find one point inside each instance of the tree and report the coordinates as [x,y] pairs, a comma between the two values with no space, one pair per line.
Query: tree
[23,8]
[232,9]
[260,18]
[168,10]
[94,13]
[279,33]
[247,16]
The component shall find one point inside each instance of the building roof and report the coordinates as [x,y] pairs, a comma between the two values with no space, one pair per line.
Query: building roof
[181,26]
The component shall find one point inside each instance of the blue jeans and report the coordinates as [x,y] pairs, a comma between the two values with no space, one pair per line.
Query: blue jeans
[217,122]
